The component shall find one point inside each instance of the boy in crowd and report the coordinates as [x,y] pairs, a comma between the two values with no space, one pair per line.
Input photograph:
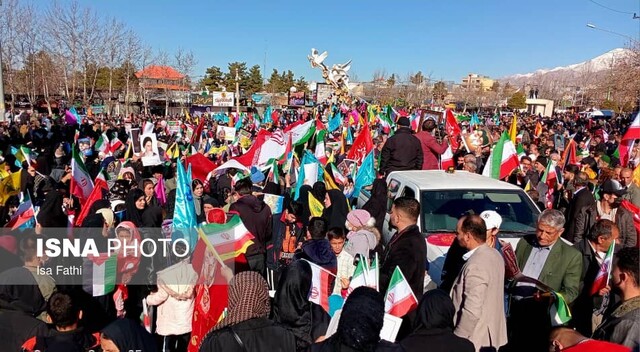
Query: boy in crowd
[64,314]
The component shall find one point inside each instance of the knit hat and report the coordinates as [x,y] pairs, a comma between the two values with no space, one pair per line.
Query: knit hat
[404,122]
[256,175]
[358,217]
[542,160]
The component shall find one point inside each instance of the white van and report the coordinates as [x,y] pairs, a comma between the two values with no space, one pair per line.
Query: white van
[446,197]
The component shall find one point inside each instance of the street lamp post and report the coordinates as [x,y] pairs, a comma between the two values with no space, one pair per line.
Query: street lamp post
[593,26]
[237,98]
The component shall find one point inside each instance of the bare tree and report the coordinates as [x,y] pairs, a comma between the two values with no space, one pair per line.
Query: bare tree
[144,59]
[114,45]
[185,62]
[8,35]
[132,53]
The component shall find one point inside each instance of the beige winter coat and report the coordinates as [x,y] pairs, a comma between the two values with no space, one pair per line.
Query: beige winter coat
[175,299]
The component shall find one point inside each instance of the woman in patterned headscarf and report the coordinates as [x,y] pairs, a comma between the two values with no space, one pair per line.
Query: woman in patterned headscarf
[247,327]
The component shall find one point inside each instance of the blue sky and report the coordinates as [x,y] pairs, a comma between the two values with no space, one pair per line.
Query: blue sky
[447,39]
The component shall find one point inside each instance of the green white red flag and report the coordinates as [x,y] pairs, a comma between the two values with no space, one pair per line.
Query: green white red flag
[229,240]
[81,184]
[602,278]
[399,299]
[559,311]
[503,159]
[359,277]
[320,286]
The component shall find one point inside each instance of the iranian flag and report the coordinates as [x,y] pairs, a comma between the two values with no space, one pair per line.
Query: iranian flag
[520,151]
[569,156]
[550,175]
[102,144]
[24,217]
[302,132]
[101,187]
[320,152]
[602,279]
[320,286]
[81,184]
[559,310]
[359,277]
[373,274]
[338,176]
[99,274]
[273,148]
[446,160]
[114,144]
[626,144]
[399,299]
[229,240]
[503,159]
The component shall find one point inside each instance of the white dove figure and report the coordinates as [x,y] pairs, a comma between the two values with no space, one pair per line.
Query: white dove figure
[315,59]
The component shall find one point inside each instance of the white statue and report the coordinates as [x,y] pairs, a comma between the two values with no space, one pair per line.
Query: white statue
[337,76]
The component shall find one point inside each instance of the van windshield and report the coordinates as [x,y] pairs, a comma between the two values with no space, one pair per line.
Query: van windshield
[442,209]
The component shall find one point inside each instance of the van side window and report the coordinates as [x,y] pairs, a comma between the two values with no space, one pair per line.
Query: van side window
[408,192]
[392,188]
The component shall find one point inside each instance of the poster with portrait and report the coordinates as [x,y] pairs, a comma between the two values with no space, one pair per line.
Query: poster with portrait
[476,139]
[226,133]
[134,135]
[149,146]
[436,116]
[347,167]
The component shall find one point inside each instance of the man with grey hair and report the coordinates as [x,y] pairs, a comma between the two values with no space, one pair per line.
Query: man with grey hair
[558,266]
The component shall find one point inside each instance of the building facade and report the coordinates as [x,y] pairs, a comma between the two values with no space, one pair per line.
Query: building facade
[477,82]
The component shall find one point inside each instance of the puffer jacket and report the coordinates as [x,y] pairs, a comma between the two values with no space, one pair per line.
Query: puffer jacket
[362,241]
[175,299]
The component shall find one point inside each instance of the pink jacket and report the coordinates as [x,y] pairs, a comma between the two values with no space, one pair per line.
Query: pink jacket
[431,150]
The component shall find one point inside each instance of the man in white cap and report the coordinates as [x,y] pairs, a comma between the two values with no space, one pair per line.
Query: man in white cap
[454,260]
[492,220]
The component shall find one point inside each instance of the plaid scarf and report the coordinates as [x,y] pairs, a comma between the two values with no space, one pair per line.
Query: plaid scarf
[248,299]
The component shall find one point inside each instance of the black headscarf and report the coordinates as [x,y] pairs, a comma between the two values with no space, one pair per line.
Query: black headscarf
[128,335]
[377,203]
[336,214]
[435,311]
[152,217]
[19,291]
[291,306]
[51,214]
[133,213]
[361,320]
[303,199]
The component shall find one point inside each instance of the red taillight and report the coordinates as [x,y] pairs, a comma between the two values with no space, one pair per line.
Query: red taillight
[441,239]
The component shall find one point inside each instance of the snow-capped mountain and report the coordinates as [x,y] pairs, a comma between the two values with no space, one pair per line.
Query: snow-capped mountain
[595,65]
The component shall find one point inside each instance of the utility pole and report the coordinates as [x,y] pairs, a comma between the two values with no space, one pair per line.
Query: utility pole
[2,108]
[237,98]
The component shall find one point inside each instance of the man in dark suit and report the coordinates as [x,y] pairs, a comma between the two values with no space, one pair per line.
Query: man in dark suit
[593,249]
[407,250]
[558,266]
[582,211]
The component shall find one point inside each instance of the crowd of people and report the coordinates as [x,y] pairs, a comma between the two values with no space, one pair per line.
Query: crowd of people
[492,296]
